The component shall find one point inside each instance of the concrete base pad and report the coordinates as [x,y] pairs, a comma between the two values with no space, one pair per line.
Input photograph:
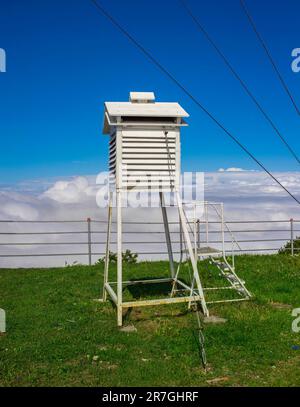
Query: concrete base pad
[213,319]
[128,328]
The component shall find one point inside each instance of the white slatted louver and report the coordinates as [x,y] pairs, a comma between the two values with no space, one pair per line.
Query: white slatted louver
[144,147]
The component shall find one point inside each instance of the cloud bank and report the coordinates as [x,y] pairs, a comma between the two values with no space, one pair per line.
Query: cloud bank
[247,195]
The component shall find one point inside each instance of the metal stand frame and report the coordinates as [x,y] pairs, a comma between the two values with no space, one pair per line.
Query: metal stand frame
[196,293]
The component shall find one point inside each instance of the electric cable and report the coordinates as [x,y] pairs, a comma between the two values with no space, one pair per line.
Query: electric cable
[193,98]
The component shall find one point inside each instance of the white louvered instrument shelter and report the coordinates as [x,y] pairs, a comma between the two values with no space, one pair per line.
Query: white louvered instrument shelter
[144,147]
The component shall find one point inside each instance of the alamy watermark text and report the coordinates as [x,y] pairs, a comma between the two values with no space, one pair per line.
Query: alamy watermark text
[296,60]
[2,60]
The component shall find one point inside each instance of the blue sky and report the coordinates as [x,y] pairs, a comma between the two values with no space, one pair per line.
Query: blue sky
[64,60]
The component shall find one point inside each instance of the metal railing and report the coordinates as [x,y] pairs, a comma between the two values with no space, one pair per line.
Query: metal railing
[93,233]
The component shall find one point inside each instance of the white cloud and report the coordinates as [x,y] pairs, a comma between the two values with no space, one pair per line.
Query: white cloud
[18,210]
[233,169]
[73,191]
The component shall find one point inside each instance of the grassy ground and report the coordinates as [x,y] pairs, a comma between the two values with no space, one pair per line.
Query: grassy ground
[57,336]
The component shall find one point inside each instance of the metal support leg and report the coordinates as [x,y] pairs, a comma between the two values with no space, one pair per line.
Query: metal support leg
[206,221]
[167,233]
[119,258]
[222,231]
[195,233]
[191,255]
[107,250]
[174,285]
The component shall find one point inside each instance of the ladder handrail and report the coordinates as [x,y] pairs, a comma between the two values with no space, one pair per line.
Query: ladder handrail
[220,216]
[227,227]
[214,204]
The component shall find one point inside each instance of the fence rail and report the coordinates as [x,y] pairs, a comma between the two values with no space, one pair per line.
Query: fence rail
[91,244]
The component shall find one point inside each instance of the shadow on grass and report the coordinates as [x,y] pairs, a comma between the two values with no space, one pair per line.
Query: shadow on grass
[149,289]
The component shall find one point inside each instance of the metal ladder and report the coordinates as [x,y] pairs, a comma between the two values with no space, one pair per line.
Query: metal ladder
[218,256]
[227,271]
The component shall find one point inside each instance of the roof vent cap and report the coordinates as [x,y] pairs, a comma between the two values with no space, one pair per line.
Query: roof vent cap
[142,97]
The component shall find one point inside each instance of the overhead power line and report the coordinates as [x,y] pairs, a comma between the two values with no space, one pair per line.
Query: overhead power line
[237,76]
[269,55]
[103,11]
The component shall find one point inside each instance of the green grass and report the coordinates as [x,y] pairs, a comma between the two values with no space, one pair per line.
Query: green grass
[58,336]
